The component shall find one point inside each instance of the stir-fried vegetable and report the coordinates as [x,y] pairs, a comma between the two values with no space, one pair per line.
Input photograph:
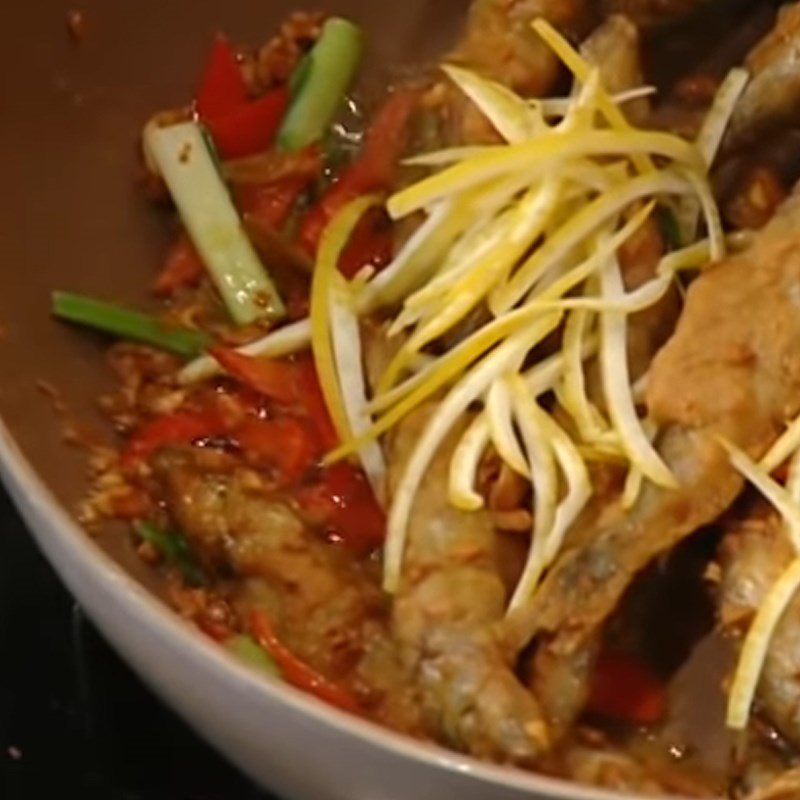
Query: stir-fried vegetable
[128,324]
[321,84]
[616,384]
[222,88]
[250,128]
[238,125]
[525,232]
[212,222]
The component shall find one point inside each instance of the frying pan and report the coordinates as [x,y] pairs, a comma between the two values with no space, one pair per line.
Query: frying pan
[73,217]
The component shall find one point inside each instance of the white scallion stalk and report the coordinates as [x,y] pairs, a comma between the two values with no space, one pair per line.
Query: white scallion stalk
[207,211]
[787,444]
[634,480]
[347,351]
[780,499]
[579,486]
[518,229]
[626,303]
[602,249]
[511,116]
[501,426]
[284,341]
[464,465]
[559,106]
[616,385]
[716,234]
[756,645]
[447,156]
[416,258]
[719,116]
[539,379]
[544,477]
[573,396]
[708,142]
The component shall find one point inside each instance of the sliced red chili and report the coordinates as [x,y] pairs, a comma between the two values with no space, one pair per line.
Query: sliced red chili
[310,395]
[283,443]
[291,383]
[249,128]
[296,671]
[270,203]
[343,502]
[183,268]
[623,687]
[372,170]
[222,88]
[273,378]
[179,427]
[369,246]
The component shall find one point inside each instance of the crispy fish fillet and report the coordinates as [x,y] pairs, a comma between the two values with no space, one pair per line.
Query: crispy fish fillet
[732,368]
[652,13]
[772,99]
[326,607]
[499,41]
[450,597]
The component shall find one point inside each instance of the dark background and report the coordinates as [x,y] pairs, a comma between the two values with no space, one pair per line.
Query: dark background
[74,722]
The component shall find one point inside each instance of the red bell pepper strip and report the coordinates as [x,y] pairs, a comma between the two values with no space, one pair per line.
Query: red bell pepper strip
[372,170]
[292,383]
[274,378]
[222,88]
[182,268]
[624,688]
[284,443]
[248,128]
[370,244]
[179,427]
[343,502]
[271,203]
[313,403]
[297,672]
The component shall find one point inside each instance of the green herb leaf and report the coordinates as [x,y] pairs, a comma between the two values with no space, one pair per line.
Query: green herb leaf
[128,324]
